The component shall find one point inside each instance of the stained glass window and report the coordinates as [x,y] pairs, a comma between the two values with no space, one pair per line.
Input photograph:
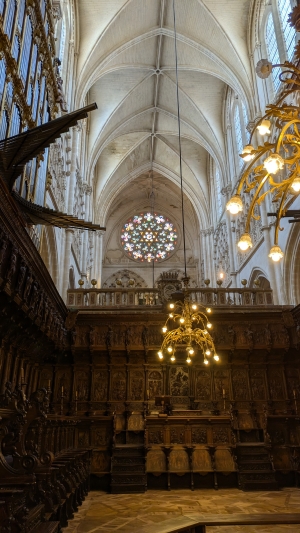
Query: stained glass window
[272,48]
[149,237]
[284,7]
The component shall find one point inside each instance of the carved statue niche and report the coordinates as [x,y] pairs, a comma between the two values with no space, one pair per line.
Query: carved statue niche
[119,386]
[21,278]
[10,275]
[240,384]
[221,382]
[275,379]
[28,285]
[100,386]
[203,385]
[155,382]
[231,336]
[257,384]
[3,250]
[82,385]
[179,381]
[136,385]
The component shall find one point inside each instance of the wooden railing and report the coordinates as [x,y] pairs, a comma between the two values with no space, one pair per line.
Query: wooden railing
[137,297]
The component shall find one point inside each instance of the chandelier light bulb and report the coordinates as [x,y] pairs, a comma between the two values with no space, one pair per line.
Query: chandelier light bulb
[188,360]
[173,358]
[276,254]
[191,351]
[205,331]
[172,306]
[164,329]
[194,307]
[171,315]
[209,325]
[274,163]
[208,352]
[235,205]
[264,127]
[296,185]
[181,320]
[246,153]
[170,349]
[205,361]
[245,242]
[160,355]
[216,357]
[208,310]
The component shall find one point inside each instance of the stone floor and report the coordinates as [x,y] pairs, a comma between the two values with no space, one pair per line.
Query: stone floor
[105,513]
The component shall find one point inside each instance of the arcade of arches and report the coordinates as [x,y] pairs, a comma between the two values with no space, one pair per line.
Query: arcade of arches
[85,403]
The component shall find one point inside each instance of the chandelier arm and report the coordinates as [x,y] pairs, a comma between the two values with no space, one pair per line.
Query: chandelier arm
[246,173]
[283,132]
[253,202]
[280,213]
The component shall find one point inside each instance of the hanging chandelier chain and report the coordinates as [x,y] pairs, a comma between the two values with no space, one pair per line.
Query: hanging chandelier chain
[179,141]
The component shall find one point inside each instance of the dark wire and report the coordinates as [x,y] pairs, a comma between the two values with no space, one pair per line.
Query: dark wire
[179,139]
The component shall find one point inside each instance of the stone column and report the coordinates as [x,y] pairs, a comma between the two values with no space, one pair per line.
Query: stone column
[67,261]
[98,257]
[72,179]
[267,246]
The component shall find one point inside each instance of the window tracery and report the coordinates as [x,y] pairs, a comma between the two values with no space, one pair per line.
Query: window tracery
[272,49]
[149,237]
[284,9]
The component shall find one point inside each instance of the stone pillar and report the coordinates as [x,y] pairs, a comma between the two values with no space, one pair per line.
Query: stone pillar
[267,246]
[67,261]
[98,257]
[72,179]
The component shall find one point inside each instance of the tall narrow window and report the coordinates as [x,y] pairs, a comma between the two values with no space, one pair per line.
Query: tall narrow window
[284,8]
[272,48]
[21,14]
[10,17]
[62,42]
[2,7]
[238,134]
[218,191]
[246,120]
[26,50]
[15,126]
[16,48]
[4,125]
[2,78]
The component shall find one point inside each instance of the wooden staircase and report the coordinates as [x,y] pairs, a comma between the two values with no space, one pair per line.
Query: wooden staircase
[128,469]
[255,467]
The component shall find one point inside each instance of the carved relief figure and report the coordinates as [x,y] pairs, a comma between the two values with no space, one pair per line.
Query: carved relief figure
[203,385]
[240,384]
[100,387]
[179,381]
[119,386]
[155,384]
[137,386]
[82,386]
[12,266]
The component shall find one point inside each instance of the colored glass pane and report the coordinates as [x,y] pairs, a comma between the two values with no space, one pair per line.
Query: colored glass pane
[149,237]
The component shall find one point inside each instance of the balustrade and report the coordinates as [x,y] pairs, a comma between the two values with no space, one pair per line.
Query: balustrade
[138,297]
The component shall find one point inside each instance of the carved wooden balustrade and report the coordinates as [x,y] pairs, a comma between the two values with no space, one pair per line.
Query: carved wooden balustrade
[43,479]
[151,298]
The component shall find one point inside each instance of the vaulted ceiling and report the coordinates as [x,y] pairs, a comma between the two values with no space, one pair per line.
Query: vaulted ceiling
[126,64]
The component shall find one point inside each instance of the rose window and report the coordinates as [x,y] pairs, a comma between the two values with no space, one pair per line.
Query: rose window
[149,237]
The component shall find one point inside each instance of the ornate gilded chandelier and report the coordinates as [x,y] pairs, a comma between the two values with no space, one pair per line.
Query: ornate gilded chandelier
[192,334]
[281,157]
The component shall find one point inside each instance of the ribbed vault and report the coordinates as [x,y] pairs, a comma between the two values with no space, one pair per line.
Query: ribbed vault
[126,63]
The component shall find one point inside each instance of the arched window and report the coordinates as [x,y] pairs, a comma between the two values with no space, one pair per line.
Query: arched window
[10,17]
[2,78]
[21,13]
[272,49]
[246,120]
[2,7]
[238,134]
[4,125]
[16,48]
[26,50]
[15,126]
[218,191]
[284,9]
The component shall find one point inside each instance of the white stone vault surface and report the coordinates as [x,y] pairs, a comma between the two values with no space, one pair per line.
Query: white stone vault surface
[126,63]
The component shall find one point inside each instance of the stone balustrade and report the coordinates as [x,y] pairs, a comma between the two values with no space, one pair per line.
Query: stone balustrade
[143,297]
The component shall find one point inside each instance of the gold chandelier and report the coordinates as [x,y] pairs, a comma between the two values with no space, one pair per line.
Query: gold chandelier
[192,334]
[280,157]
